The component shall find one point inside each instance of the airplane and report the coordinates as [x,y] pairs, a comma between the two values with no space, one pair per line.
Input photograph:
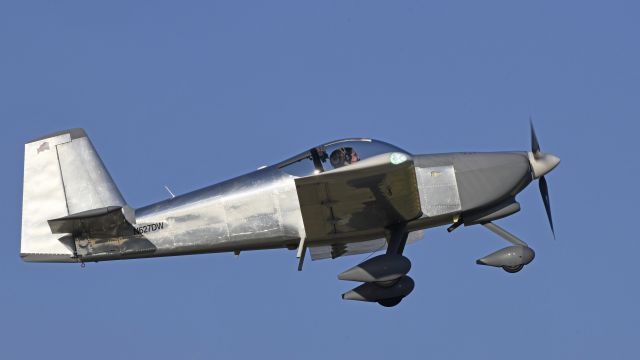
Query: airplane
[345,197]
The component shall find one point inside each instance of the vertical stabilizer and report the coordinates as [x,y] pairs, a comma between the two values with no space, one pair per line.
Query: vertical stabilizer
[63,175]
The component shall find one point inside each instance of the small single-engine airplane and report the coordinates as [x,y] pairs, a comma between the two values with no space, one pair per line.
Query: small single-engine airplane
[345,197]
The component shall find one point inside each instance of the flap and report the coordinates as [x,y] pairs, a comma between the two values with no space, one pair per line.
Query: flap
[372,194]
[356,248]
[103,222]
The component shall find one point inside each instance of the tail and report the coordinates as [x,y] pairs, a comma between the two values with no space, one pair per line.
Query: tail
[63,175]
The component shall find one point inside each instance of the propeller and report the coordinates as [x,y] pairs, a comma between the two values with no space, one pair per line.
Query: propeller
[541,164]
[535,146]
[544,191]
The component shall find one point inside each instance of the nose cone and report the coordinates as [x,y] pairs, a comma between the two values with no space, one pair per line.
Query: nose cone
[542,163]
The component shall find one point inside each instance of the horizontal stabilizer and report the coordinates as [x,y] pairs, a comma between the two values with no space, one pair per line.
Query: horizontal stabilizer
[105,222]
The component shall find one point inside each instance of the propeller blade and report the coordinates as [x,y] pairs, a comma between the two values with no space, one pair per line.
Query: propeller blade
[544,191]
[535,146]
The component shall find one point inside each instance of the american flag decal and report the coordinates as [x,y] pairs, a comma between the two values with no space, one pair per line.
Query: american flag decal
[44,146]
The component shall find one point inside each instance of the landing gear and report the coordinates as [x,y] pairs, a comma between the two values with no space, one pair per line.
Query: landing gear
[391,302]
[511,259]
[513,269]
[396,241]
[384,277]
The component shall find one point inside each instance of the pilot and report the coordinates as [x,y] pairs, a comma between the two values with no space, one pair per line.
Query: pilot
[352,155]
[338,158]
[343,156]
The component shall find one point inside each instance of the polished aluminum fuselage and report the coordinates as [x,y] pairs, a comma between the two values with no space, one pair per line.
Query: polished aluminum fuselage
[261,210]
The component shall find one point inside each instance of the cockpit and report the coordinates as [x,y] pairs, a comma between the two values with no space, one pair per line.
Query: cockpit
[335,155]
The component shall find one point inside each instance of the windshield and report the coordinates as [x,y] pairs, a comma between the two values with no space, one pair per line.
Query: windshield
[334,155]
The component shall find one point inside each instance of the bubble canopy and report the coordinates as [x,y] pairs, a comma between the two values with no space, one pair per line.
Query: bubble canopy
[334,155]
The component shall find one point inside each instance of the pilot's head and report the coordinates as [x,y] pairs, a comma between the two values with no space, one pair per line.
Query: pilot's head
[352,155]
[343,156]
[337,158]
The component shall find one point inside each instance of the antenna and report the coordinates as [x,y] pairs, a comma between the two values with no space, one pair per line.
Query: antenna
[170,192]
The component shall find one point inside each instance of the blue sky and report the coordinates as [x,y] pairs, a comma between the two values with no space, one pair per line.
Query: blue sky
[166,89]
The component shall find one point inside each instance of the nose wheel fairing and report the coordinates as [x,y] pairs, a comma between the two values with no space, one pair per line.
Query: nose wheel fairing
[512,258]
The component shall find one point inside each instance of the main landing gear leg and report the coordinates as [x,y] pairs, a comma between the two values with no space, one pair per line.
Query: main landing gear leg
[396,240]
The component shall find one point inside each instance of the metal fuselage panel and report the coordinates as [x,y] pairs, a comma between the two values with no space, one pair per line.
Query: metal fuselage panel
[259,210]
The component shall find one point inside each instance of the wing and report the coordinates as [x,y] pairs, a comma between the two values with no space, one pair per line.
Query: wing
[359,199]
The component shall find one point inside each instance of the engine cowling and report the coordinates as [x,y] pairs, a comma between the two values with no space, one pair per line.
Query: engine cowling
[509,257]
